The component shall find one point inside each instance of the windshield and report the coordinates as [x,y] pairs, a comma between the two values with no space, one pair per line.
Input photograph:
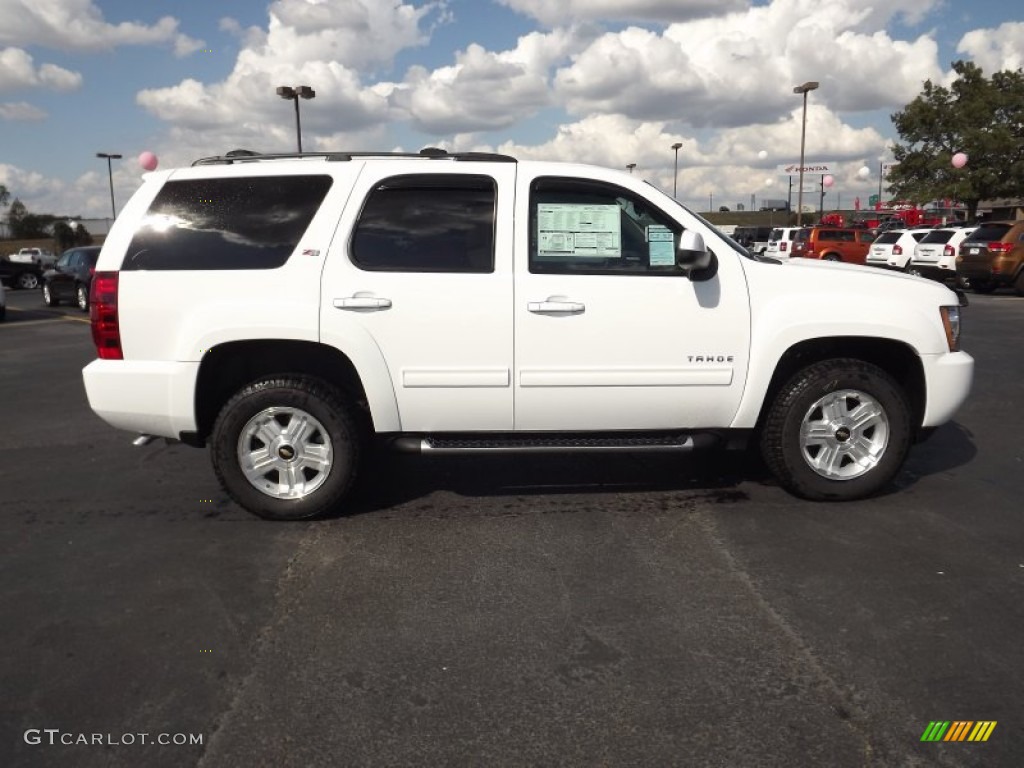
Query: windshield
[731,242]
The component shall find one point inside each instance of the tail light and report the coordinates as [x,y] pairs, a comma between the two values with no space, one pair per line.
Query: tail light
[949,250]
[897,250]
[782,246]
[106,333]
[998,246]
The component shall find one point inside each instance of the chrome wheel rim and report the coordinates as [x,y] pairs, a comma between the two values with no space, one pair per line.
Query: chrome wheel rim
[46,293]
[285,453]
[844,434]
[83,297]
[28,281]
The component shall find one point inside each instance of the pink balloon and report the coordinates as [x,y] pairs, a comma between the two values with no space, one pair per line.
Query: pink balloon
[148,161]
[828,181]
[959,160]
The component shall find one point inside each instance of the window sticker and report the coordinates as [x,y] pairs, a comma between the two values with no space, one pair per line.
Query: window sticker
[661,253]
[660,246]
[579,231]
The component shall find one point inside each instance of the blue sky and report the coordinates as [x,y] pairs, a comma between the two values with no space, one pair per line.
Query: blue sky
[582,80]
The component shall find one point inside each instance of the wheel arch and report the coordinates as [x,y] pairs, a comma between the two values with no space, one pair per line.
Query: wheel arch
[228,367]
[896,358]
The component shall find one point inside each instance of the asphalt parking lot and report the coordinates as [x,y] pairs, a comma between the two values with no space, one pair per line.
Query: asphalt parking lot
[600,611]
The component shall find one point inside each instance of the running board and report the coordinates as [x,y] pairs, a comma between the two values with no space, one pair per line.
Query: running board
[540,443]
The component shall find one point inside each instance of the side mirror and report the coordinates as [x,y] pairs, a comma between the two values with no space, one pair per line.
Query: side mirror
[693,257]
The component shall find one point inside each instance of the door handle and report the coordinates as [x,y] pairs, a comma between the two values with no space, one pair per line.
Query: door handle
[550,307]
[362,302]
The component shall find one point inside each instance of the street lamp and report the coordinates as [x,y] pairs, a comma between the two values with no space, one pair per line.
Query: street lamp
[631,166]
[299,91]
[675,172]
[806,88]
[110,176]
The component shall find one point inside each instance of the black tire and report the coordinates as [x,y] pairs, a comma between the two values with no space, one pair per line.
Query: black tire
[82,297]
[850,383]
[1018,284]
[982,286]
[27,280]
[312,397]
[49,297]
[832,257]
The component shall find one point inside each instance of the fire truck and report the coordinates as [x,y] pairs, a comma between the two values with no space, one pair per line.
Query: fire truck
[902,214]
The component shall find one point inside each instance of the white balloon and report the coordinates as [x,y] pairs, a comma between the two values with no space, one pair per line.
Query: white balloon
[762,154]
[769,182]
[864,172]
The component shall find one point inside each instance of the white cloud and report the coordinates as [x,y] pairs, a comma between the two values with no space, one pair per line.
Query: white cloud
[20,110]
[17,70]
[741,68]
[995,50]
[79,25]
[571,11]
[485,90]
[307,42]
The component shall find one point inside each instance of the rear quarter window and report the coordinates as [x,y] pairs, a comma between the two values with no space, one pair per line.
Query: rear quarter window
[235,223]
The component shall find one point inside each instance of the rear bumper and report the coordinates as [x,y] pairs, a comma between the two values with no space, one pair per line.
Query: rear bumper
[155,398]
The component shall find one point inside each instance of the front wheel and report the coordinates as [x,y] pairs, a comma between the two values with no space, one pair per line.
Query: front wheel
[837,430]
[286,448]
[49,297]
[982,286]
[832,257]
[82,297]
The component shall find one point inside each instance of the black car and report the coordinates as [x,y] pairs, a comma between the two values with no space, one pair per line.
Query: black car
[19,274]
[71,277]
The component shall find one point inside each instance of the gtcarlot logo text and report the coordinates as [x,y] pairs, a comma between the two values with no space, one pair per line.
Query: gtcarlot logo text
[55,736]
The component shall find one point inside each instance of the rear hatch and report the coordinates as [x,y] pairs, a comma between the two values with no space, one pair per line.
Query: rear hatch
[931,247]
[881,249]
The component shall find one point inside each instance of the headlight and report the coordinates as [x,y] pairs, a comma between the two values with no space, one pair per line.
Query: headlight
[951,323]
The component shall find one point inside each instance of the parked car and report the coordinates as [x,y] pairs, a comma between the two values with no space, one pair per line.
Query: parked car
[754,239]
[461,303]
[71,278]
[38,256]
[993,257]
[780,242]
[832,244]
[935,256]
[3,303]
[894,248]
[19,274]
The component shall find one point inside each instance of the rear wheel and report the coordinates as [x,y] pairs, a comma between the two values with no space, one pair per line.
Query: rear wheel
[983,286]
[839,429]
[82,297]
[28,280]
[1018,284]
[286,448]
[832,257]
[49,297]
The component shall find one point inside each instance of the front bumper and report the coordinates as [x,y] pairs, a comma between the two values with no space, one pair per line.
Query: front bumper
[948,379]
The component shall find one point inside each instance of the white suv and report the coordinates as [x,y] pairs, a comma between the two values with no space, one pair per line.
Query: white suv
[935,256]
[893,249]
[288,310]
[780,242]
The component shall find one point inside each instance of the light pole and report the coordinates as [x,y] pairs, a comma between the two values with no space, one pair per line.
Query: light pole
[110,176]
[675,171]
[806,88]
[631,166]
[299,91]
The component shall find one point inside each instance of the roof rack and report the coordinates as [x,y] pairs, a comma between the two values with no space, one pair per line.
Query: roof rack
[428,153]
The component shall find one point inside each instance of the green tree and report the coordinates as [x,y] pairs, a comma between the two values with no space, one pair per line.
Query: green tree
[981,117]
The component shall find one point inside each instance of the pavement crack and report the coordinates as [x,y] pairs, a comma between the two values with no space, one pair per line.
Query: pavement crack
[283,604]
